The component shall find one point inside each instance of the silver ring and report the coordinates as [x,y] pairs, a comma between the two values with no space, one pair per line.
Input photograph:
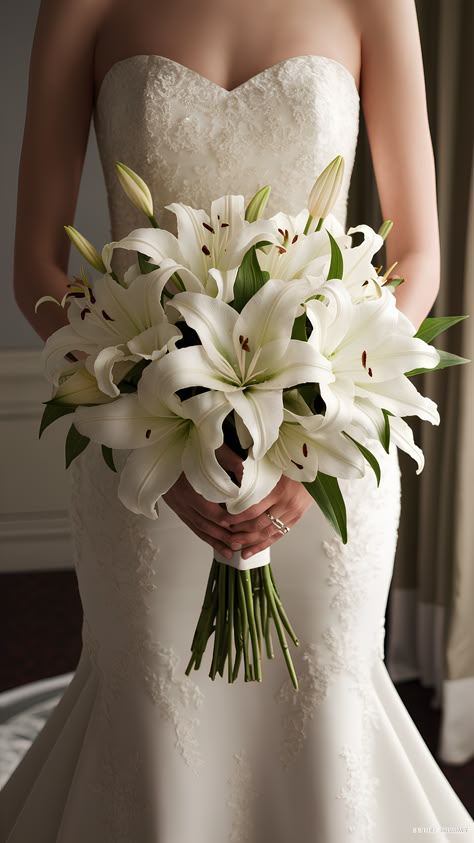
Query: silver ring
[278,524]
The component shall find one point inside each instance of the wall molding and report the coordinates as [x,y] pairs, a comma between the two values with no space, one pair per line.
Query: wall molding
[34,521]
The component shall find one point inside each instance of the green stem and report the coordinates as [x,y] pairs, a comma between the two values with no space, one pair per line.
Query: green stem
[237,635]
[220,618]
[231,588]
[257,659]
[308,223]
[245,627]
[276,620]
[257,596]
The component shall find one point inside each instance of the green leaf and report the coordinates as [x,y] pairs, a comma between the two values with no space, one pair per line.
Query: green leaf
[431,327]
[54,410]
[299,328]
[385,437]
[107,454]
[144,265]
[75,444]
[394,282]
[327,494]
[336,267]
[368,455]
[446,358]
[250,278]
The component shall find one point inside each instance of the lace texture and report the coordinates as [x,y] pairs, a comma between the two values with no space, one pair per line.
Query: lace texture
[195,141]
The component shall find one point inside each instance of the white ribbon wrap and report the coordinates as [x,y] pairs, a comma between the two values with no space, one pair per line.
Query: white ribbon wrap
[255,561]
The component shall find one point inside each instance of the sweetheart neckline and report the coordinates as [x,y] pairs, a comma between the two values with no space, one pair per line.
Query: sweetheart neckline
[225,91]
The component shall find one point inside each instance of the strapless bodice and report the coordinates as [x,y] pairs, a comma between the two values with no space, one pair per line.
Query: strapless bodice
[192,140]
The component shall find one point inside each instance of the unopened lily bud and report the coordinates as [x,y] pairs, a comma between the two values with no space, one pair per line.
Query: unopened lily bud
[326,189]
[77,387]
[257,204]
[87,250]
[385,229]
[136,189]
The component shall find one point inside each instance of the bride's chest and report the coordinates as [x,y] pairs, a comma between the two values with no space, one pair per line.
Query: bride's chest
[191,139]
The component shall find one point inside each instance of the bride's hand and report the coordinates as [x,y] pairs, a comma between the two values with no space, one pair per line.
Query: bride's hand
[209,521]
[288,501]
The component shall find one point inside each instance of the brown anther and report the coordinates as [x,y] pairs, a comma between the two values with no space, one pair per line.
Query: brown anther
[295,238]
[297,465]
[84,311]
[280,231]
[364,359]
[209,227]
[77,295]
[224,225]
[369,372]
[281,250]
[286,234]
[244,342]
[92,297]
[206,250]
[106,316]
[305,449]
[148,434]
[365,283]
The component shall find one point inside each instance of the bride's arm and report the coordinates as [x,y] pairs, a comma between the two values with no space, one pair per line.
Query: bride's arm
[394,103]
[58,116]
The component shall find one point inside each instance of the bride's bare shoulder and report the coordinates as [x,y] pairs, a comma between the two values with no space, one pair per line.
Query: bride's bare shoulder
[384,26]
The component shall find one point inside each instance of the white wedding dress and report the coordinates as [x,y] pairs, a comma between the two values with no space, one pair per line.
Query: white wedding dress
[136,751]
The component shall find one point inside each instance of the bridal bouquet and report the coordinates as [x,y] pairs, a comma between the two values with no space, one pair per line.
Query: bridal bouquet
[276,336]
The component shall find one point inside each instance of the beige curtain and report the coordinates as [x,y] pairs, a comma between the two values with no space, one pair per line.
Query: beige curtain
[431,607]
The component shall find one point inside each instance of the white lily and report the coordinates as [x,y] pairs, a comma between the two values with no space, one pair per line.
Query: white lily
[304,447]
[296,254]
[114,324]
[210,247]
[370,346]
[250,357]
[166,438]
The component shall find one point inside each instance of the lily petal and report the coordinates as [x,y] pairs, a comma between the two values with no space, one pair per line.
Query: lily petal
[104,368]
[177,370]
[259,478]
[158,244]
[400,397]
[262,413]
[155,341]
[214,321]
[60,343]
[124,423]
[149,472]
[402,435]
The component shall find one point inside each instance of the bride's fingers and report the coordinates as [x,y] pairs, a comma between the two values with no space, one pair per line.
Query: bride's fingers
[205,537]
[210,528]
[275,535]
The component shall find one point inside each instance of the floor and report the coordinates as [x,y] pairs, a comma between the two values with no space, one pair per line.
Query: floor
[42,643]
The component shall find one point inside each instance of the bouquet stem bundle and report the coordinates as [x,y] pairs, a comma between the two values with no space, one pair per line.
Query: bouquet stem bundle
[238,608]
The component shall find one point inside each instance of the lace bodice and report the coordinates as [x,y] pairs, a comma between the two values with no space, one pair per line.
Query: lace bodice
[192,140]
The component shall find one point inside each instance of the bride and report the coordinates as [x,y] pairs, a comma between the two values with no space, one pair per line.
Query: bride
[203,99]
